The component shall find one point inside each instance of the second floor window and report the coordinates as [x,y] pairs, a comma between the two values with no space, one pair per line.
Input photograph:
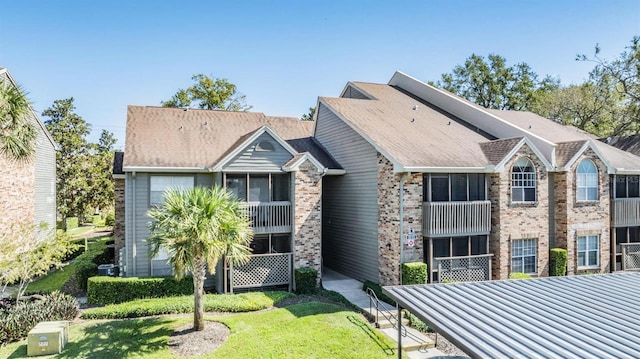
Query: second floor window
[259,187]
[455,187]
[523,181]
[587,181]
[627,186]
[159,184]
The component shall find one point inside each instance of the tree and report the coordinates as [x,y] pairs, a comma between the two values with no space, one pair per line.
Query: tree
[101,190]
[28,252]
[17,130]
[622,77]
[309,115]
[494,85]
[197,228]
[69,131]
[209,94]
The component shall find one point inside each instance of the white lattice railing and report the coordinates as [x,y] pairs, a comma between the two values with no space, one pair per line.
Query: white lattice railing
[464,269]
[626,212]
[456,218]
[630,256]
[269,217]
[262,270]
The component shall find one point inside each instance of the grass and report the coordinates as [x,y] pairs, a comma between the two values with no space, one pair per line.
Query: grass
[80,230]
[52,281]
[244,302]
[308,330]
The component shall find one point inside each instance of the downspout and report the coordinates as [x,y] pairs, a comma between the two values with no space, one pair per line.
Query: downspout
[133,224]
[401,226]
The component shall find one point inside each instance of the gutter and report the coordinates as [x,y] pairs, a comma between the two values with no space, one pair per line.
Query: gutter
[133,224]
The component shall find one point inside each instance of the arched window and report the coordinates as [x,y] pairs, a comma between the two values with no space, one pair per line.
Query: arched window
[523,181]
[587,181]
[265,146]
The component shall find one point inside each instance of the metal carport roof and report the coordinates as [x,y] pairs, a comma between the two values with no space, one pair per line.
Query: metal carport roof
[587,316]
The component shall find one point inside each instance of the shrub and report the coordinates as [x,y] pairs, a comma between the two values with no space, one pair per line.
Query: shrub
[416,323]
[95,219]
[110,290]
[244,302]
[87,263]
[72,222]
[306,280]
[377,289]
[16,320]
[110,219]
[557,262]
[518,275]
[414,273]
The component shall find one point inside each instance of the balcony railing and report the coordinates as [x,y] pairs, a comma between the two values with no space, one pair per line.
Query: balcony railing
[456,218]
[626,212]
[464,269]
[630,256]
[269,217]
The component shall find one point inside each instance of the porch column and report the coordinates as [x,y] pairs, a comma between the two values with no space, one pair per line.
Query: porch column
[307,217]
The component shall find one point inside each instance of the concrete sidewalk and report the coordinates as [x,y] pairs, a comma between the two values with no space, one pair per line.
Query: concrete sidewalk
[352,290]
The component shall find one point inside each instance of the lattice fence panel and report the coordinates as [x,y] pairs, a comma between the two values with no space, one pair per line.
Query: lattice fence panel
[262,270]
[465,269]
[631,256]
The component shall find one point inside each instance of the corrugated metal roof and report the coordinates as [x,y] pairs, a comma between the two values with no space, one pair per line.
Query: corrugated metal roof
[590,316]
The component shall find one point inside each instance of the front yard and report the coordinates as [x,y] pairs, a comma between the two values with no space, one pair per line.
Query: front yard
[303,330]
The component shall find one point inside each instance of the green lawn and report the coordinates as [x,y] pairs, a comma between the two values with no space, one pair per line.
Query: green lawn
[52,281]
[308,330]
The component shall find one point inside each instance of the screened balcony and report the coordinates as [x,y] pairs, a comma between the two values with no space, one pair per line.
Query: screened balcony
[626,203]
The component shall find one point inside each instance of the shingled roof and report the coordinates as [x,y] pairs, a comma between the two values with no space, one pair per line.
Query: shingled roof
[163,137]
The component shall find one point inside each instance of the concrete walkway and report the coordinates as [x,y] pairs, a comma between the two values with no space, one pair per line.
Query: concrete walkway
[352,290]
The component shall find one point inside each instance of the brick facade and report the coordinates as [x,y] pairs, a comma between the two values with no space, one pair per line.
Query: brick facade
[118,227]
[308,217]
[573,218]
[17,193]
[389,221]
[511,221]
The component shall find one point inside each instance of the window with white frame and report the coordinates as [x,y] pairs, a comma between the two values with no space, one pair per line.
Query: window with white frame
[587,181]
[523,181]
[159,184]
[524,256]
[588,251]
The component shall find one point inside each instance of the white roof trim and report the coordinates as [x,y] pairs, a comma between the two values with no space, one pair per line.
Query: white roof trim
[397,166]
[334,172]
[118,176]
[264,129]
[589,144]
[164,169]
[423,169]
[306,156]
[516,148]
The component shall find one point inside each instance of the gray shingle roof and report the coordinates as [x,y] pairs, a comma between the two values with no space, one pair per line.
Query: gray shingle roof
[174,137]
[496,150]
[596,316]
[117,163]
[309,144]
[566,150]
[630,143]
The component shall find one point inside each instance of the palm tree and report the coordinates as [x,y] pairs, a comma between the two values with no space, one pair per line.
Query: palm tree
[197,228]
[17,132]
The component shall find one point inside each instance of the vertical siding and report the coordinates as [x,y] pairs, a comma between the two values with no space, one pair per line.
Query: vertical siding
[250,159]
[351,92]
[45,179]
[350,204]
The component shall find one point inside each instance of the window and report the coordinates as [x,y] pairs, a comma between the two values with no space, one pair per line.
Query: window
[259,187]
[523,181]
[271,243]
[237,184]
[588,251]
[159,184]
[265,146]
[455,187]
[523,256]
[587,181]
[627,186]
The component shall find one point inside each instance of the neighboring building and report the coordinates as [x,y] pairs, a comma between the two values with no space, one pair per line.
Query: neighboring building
[271,163]
[27,188]
[475,193]
[629,143]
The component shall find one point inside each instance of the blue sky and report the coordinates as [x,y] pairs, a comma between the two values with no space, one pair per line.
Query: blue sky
[284,54]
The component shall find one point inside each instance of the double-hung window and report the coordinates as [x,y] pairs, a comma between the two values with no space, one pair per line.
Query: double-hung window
[587,181]
[159,184]
[523,181]
[524,256]
[588,251]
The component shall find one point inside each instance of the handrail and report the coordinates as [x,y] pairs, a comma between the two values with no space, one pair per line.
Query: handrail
[386,313]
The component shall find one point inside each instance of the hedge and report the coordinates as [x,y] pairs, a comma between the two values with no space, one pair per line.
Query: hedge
[72,222]
[112,290]
[518,275]
[87,263]
[306,280]
[377,289]
[414,273]
[557,262]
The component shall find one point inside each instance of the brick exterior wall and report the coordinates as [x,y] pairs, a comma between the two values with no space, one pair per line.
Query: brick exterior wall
[389,221]
[17,193]
[512,221]
[118,227]
[573,218]
[308,217]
